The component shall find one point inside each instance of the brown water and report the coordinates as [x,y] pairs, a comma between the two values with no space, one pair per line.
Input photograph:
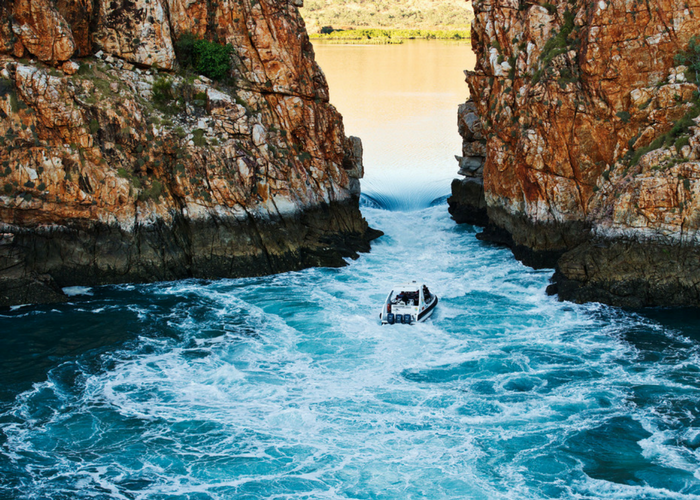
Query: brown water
[402,101]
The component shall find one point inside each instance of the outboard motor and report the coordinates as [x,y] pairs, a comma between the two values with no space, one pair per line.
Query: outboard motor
[390,318]
[407,319]
[399,318]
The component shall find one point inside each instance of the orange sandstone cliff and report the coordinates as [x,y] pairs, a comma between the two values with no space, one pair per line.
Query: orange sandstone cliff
[117,167]
[581,145]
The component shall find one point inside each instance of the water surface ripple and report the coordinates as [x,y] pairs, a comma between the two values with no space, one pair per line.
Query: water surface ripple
[287,386]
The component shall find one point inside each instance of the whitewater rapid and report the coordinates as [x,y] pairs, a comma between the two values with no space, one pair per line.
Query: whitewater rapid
[287,387]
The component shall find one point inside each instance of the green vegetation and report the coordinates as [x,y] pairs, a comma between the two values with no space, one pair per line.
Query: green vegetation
[86,69]
[389,14]
[153,192]
[150,193]
[624,116]
[210,59]
[390,35]
[170,99]
[6,87]
[691,58]
[198,137]
[678,135]
[681,142]
[162,91]
[558,44]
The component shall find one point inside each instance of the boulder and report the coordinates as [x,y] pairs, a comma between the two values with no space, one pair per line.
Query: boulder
[42,31]
[135,30]
[70,67]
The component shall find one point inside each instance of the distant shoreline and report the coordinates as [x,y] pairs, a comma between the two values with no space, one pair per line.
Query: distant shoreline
[388,36]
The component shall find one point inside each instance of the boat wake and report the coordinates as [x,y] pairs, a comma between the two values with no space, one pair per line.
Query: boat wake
[288,387]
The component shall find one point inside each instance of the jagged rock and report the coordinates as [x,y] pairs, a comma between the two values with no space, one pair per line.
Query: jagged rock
[467,203]
[611,272]
[568,94]
[42,31]
[138,31]
[79,15]
[265,63]
[352,163]
[102,183]
[7,37]
[30,290]
[70,67]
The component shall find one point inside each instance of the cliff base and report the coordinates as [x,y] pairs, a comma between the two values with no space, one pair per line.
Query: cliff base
[39,261]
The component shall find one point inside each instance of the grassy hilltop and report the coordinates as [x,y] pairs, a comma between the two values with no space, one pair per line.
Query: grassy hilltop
[446,15]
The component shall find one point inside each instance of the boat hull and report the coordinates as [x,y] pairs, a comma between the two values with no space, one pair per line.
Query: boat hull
[425,314]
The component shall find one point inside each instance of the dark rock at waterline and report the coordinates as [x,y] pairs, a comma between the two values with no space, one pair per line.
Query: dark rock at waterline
[467,204]
[30,290]
[537,245]
[526,255]
[36,262]
[629,274]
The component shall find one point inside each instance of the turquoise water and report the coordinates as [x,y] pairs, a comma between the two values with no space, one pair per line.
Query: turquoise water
[287,387]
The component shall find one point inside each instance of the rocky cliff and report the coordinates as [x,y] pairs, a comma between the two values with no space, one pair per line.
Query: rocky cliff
[588,114]
[117,165]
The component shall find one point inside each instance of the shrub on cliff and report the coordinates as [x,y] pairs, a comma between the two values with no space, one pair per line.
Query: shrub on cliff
[691,58]
[560,43]
[678,134]
[6,87]
[206,58]
[162,90]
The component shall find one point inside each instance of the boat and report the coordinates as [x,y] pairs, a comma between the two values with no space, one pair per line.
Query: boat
[408,303]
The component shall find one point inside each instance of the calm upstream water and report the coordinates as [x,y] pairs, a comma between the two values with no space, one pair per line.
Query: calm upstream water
[286,387]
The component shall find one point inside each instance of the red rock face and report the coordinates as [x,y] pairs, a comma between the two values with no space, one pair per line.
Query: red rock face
[568,93]
[41,31]
[135,30]
[112,172]
[78,14]
[271,55]
[558,115]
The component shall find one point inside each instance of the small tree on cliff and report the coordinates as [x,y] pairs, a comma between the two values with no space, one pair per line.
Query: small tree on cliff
[691,58]
[210,59]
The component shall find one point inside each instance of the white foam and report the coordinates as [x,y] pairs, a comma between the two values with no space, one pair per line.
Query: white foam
[263,381]
[73,291]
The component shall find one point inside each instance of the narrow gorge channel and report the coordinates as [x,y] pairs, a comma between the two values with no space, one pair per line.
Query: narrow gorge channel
[286,387]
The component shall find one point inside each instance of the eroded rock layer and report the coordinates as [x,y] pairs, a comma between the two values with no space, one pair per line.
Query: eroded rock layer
[467,203]
[591,142]
[114,168]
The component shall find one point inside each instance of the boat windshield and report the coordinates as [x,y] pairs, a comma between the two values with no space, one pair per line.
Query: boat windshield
[406,297]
